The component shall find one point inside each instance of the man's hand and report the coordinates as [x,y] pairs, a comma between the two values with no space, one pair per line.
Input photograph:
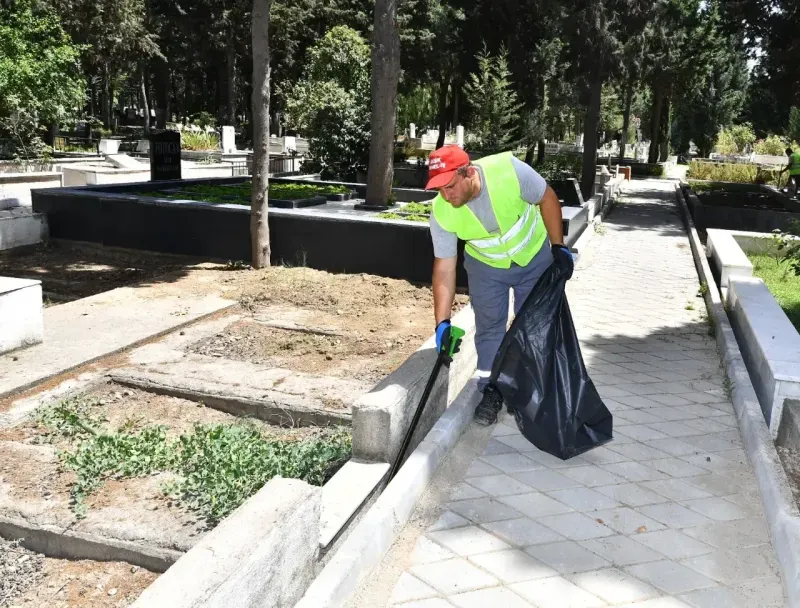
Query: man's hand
[442,335]
[564,258]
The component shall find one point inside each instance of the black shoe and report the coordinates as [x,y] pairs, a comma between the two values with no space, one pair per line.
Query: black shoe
[489,407]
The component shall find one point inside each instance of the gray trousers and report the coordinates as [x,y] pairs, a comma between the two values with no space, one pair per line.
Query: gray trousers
[488,292]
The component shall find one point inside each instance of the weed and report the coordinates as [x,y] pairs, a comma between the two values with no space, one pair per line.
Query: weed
[600,229]
[727,386]
[689,306]
[701,293]
[237,265]
[712,326]
[219,466]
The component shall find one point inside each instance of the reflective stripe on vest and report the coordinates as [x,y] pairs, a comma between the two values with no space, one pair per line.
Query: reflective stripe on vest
[521,234]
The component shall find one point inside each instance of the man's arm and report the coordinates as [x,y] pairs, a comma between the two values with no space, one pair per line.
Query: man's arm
[551,214]
[444,287]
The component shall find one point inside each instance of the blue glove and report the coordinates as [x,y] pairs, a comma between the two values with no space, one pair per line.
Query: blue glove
[564,258]
[442,335]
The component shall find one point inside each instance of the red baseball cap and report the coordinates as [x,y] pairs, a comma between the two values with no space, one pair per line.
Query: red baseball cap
[443,163]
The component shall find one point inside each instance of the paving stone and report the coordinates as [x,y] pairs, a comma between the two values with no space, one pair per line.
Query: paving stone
[431,603]
[426,551]
[676,467]
[732,535]
[551,462]
[483,510]
[511,463]
[717,485]
[567,557]
[523,532]
[500,485]
[717,508]
[576,526]
[621,550]
[641,432]
[675,489]
[557,593]
[636,471]
[518,443]
[673,543]
[674,515]
[674,446]
[453,576]
[583,499]
[497,447]
[535,504]
[626,520]
[449,520]
[631,494]
[602,455]
[468,541]
[464,491]
[592,475]
[737,565]
[546,480]
[496,596]
[512,566]
[670,577]
[639,452]
[479,468]
[410,588]
[676,429]
[614,586]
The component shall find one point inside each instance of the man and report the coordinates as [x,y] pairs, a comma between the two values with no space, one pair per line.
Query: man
[794,170]
[510,220]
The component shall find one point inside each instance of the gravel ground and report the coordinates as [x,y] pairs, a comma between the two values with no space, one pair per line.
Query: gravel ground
[19,570]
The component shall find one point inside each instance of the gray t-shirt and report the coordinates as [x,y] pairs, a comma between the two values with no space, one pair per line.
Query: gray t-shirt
[532,187]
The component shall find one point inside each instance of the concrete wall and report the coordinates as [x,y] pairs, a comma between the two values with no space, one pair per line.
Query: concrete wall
[769,343]
[382,416]
[737,218]
[90,175]
[21,315]
[264,554]
[20,227]
[15,188]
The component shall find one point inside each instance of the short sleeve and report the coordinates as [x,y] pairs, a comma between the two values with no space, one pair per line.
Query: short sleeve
[532,185]
[445,244]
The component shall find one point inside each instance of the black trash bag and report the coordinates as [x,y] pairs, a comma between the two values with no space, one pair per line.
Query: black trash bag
[540,372]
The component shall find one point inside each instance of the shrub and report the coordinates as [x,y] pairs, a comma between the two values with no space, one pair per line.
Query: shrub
[742,173]
[773,145]
[199,141]
[734,139]
[560,166]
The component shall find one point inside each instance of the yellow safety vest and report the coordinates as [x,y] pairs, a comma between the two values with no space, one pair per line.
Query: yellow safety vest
[522,230]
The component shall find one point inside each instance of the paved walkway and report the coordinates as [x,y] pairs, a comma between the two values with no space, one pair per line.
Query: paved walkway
[666,516]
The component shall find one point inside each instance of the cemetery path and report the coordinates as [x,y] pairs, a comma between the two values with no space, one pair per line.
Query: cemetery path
[668,515]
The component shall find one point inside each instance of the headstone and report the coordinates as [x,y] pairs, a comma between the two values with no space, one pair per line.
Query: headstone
[289,143]
[165,156]
[228,140]
[412,131]
[460,135]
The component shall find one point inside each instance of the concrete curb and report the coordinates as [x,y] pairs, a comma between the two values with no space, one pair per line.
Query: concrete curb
[371,539]
[783,516]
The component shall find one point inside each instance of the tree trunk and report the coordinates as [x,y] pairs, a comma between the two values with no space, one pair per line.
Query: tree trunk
[106,96]
[590,137]
[456,90]
[664,127]
[385,76]
[231,65]
[529,155]
[145,104]
[259,224]
[626,120]
[540,153]
[655,122]
[442,111]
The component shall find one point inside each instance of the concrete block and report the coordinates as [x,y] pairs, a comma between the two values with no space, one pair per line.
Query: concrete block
[727,256]
[21,226]
[21,313]
[228,139]
[770,346]
[382,416]
[263,554]
[108,146]
[344,494]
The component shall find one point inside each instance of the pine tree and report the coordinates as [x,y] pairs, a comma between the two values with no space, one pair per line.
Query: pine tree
[495,109]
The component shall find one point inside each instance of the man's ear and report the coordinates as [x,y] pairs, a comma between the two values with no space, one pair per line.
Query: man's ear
[471,171]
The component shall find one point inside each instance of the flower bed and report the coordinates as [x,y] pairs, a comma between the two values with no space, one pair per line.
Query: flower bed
[782,282]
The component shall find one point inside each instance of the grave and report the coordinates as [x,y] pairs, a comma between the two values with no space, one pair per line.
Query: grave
[20,313]
[165,156]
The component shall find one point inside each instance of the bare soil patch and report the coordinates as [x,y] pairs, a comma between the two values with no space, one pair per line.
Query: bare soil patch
[70,272]
[30,579]
[356,326]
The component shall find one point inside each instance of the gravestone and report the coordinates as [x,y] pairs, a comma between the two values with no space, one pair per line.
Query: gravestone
[568,192]
[228,140]
[460,136]
[412,131]
[165,156]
